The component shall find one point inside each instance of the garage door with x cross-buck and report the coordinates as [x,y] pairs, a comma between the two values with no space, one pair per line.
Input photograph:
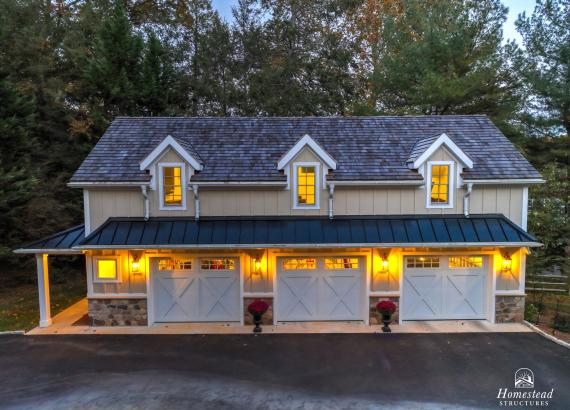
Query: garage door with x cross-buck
[311,288]
[194,289]
[444,287]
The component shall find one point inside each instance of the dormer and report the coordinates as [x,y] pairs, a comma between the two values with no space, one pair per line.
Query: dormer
[306,165]
[440,160]
[171,165]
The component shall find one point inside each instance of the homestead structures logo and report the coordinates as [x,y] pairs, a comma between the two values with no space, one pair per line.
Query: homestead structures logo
[524,379]
[523,396]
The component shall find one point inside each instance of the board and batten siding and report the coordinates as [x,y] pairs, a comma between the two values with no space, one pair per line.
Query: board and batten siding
[405,200]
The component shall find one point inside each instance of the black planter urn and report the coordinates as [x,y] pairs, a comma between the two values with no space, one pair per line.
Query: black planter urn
[387,319]
[257,322]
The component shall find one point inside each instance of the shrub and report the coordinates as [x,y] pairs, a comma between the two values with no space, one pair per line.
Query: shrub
[531,313]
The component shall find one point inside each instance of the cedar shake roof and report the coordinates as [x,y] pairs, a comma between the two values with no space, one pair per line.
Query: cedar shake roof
[248,149]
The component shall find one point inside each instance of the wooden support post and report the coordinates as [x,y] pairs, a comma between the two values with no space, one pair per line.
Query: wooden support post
[43,289]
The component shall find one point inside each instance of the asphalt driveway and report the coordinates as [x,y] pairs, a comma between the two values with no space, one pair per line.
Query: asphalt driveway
[361,371]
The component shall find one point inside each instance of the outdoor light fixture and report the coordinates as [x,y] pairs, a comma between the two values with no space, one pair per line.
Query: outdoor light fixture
[136,263]
[506,263]
[257,265]
[384,264]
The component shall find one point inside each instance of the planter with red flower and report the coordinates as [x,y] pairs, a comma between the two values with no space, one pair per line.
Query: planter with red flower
[257,308]
[386,308]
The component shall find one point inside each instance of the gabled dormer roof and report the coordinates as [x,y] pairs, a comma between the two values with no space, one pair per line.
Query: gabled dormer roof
[182,147]
[425,148]
[306,141]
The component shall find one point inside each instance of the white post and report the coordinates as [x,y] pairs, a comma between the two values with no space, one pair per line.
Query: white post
[43,289]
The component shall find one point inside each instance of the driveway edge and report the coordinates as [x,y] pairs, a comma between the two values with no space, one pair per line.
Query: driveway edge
[546,335]
[12,332]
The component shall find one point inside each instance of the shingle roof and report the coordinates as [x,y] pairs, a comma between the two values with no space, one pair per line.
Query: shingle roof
[189,149]
[246,149]
[445,230]
[420,147]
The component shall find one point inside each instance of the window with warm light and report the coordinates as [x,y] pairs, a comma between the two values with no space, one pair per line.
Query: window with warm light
[422,262]
[306,185]
[217,264]
[172,186]
[462,262]
[341,263]
[107,269]
[439,193]
[299,264]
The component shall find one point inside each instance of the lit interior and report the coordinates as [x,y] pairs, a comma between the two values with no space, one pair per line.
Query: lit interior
[172,185]
[306,185]
[107,269]
[440,184]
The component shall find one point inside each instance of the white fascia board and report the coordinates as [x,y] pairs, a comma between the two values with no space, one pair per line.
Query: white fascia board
[302,143]
[169,142]
[443,139]
[375,183]
[517,181]
[73,251]
[281,184]
[320,245]
[107,184]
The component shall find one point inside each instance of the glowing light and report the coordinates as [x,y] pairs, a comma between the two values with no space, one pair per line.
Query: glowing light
[136,267]
[107,269]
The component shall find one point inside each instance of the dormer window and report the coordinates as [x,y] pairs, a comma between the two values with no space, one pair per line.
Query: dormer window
[306,185]
[440,189]
[171,186]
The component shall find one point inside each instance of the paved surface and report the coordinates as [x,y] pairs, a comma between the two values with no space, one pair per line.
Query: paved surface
[360,371]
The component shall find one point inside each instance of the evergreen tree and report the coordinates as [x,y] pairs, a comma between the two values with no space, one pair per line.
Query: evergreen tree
[546,37]
[446,58]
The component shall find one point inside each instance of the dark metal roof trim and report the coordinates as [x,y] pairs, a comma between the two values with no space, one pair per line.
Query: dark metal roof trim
[432,231]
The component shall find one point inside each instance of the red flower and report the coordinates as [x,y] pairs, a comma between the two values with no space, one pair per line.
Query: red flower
[257,307]
[386,307]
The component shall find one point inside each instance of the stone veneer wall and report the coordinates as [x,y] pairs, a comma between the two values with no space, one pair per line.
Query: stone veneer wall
[266,319]
[117,312]
[509,309]
[375,317]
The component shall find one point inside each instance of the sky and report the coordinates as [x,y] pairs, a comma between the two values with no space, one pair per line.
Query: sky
[516,7]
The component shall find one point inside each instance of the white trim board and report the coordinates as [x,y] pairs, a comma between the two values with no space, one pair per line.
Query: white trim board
[162,205]
[318,186]
[451,185]
[170,142]
[306,140]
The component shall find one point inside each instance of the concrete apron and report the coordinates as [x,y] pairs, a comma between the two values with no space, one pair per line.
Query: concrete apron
[63,324]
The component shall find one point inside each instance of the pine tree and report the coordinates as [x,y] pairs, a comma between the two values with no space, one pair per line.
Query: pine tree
[546,37]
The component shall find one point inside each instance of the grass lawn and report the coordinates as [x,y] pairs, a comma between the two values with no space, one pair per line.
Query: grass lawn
[19,308]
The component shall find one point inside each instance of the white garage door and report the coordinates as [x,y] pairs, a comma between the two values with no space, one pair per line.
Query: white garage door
[442,287]
[320,288]
[196,289]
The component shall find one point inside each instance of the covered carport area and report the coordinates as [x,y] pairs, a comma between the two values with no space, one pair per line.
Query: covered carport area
[61,243]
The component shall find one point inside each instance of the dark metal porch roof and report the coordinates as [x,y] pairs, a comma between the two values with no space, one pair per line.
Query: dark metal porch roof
[62,242]
[375,231]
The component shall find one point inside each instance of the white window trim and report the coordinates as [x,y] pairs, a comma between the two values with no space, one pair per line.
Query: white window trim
[317,166]
[163,206]
[451,180]
[96,260]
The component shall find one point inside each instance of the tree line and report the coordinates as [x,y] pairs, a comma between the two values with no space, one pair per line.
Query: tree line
[67,68]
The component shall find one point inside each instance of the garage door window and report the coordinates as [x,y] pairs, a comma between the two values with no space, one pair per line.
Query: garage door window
[299,264]
[217,264]
[422,262]
[463,262]
[175,264]
[341,263]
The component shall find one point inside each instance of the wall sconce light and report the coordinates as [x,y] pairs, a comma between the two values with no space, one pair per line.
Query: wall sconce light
[257,266]
[384,264]
[506,263]
[136,263]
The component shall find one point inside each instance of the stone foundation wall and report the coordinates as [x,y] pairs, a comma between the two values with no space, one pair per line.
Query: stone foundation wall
[509,309]
[266,319]
[117,312]
[375,317]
